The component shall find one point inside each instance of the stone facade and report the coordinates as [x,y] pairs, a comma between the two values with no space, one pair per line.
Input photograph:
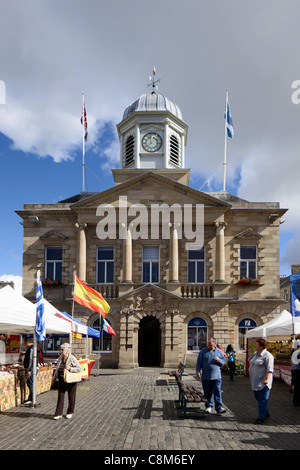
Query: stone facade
[173,301]
[151,319]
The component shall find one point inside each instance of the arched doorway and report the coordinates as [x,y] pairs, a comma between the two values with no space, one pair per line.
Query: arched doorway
[149,342]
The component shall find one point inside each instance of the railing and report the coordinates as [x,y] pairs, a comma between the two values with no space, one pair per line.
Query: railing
[109,291]
[112,291]
[197,291]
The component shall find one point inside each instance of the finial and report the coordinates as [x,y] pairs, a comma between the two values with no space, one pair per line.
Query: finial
[153,81]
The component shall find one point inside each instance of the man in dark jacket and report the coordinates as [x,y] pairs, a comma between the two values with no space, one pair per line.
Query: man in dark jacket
[28,365]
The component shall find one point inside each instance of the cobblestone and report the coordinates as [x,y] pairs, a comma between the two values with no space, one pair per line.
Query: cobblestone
[132,410]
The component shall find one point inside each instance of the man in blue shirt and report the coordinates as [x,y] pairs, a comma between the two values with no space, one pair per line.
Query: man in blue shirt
[210,361]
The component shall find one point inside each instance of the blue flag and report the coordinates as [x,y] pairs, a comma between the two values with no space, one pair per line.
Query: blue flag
[40,328]
[295,305]
[229,122]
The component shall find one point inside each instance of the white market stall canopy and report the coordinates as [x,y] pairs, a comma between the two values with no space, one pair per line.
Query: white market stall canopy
[76,326]
[17,315]
[281,327]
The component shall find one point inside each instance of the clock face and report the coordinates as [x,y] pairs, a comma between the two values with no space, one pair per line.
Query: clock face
[152,142]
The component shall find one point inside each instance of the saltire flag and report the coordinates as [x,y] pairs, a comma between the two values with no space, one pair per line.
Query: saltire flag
[229,122]
[295,305]
[90,298]
[40,327]
[84,123]
[105,326]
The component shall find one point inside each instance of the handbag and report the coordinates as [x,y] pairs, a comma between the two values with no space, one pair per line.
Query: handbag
[71,377]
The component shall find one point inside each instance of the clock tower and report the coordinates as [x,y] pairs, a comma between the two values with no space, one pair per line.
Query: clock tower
[152,134]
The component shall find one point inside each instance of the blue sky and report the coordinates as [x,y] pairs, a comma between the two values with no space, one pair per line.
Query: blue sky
[51,52]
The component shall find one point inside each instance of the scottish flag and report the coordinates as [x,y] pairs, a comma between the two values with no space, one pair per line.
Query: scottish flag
[295,305]
[229,122]
[40,328]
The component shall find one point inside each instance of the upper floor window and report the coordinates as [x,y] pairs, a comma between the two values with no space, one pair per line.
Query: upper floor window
[248,261]
[196,265]
[53,263]
[105,264]
[151,264]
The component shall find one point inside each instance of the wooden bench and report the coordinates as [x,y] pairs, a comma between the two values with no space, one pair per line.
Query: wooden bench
[190,395]
[174,373]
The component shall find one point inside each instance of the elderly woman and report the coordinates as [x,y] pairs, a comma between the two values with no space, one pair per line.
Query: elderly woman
[69,362]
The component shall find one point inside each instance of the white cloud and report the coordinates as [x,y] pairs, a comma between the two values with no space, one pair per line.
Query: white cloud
[17,280]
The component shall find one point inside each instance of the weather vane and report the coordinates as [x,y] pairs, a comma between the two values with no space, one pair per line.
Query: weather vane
[153,81]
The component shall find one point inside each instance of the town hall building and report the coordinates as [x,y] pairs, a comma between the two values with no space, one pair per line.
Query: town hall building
[176,265]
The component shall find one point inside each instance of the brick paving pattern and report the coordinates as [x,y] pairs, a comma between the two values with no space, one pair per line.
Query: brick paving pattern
[136,410]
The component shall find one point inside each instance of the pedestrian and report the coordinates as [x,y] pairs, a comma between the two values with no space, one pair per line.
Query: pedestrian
[210,361]
[66,361]
[261,377]
[295,370]
[28,366]
[230,354]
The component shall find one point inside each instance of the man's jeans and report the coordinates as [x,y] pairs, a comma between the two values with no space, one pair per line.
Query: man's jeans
[262,397]
[210,388]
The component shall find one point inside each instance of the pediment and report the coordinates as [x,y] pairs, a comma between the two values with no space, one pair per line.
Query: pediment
[149,297]
[150,188]
[249,234]
[53,235]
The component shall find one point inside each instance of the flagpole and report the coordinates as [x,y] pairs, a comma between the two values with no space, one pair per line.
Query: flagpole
[225,143]
[83,144]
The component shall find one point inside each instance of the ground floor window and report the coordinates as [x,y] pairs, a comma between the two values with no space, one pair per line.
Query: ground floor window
[196,334]
[245,325]
[53,343]
[104,343]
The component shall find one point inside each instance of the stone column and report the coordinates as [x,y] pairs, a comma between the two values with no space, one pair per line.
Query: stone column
[127,258]
[81,251]
[220,251]
[173,255]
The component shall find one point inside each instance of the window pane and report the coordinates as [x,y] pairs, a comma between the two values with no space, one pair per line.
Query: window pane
[248,252]
[155,274]
[105,253]
[196,254]
[200,271]
[49,270]
[110,272]
[54,253]
[151,253]
[191,271]
[101,272]
[252,269]
[58,267]
[243,269]
[146,272]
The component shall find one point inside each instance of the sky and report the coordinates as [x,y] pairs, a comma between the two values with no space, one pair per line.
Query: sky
[52,52]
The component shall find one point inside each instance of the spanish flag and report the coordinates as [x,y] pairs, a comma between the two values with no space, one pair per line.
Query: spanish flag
[90,298]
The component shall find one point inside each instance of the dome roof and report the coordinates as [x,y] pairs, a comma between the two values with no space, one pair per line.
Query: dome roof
[152,102]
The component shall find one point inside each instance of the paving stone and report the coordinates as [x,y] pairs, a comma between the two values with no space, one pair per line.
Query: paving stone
[136,410]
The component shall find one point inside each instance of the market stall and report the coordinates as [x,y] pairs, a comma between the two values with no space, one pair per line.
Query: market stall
[279,332]
[17,316]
